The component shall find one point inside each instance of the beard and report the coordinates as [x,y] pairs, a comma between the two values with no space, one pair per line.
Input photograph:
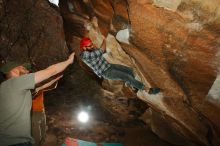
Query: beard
[90,50]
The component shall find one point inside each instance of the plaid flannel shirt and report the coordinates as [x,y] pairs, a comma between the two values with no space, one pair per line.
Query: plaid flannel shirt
[95,60]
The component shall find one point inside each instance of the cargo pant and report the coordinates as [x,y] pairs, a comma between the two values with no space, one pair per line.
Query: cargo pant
[124,73]
[39,127]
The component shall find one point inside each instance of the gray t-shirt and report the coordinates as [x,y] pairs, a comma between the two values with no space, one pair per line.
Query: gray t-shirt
[15,107]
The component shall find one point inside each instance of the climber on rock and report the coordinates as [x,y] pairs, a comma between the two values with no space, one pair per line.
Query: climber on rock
[93,57]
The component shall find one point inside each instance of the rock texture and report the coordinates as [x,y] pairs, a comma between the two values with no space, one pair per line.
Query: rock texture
[173,45]
[31,31]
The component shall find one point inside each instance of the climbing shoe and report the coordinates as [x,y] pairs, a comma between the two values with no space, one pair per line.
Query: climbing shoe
[154,90]
[127,84]
[135,90]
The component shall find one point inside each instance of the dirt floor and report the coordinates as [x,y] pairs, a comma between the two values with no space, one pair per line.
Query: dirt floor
[62,123]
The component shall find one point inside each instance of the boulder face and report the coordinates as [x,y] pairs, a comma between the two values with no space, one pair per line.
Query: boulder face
[173,45]
[31,31]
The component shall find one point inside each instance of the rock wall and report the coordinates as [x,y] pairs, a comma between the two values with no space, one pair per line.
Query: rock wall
[171,44]
[31,31]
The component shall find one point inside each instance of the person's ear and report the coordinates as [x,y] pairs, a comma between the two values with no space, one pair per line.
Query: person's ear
[12,73]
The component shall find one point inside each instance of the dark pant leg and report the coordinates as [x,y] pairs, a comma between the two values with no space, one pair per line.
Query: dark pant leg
[43,126]
[38,127]
[124,69]
[114,74]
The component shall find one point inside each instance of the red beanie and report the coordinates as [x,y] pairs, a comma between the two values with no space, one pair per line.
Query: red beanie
[84,42]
